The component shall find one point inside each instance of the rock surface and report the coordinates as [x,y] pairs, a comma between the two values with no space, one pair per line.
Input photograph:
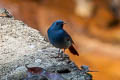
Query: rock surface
[20,45]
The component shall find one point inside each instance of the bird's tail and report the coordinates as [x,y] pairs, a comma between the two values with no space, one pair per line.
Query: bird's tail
[73,50]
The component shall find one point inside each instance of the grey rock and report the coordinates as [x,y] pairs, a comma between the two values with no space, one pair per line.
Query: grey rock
[20,45]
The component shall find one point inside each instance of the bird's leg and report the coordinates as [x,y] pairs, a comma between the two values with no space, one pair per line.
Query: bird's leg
[64,55]
[64,50]
[59,53]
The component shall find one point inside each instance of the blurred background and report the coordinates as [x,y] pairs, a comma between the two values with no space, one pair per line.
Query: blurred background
[93,24]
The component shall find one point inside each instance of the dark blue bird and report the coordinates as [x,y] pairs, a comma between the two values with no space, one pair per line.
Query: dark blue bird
[59,38]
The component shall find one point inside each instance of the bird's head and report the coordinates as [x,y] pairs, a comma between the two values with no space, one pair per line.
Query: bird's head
[58,24]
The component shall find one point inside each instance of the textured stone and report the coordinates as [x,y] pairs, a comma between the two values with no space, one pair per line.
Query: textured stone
[21,45]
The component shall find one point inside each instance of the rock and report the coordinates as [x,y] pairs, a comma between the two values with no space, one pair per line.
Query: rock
[21,45]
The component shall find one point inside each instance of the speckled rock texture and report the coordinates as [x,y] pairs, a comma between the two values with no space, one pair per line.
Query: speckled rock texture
[20,45]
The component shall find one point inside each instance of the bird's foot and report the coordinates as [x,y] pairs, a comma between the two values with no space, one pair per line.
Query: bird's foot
[61,55]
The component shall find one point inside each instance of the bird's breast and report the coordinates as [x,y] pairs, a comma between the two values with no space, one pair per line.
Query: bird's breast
[58,39]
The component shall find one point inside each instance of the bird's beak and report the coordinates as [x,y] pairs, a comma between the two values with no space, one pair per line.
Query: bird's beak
[64,23]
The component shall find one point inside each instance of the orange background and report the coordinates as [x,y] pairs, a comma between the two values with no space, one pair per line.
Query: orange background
[96,39]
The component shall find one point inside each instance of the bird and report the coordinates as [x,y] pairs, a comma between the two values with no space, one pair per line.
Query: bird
[59,38]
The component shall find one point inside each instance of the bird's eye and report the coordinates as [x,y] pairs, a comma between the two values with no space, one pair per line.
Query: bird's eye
[56,23]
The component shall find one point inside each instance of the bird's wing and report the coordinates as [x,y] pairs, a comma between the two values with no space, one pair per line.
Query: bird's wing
[71,48]
[68,37]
